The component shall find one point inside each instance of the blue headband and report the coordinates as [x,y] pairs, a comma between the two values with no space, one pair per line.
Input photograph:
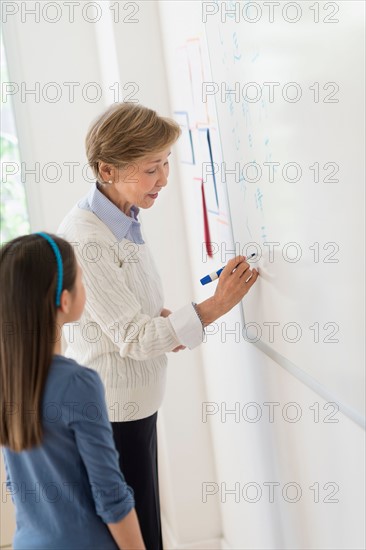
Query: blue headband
[59,265]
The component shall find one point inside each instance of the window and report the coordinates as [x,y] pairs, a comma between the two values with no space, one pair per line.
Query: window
[14,219]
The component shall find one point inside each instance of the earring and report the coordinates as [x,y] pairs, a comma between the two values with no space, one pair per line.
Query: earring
[110,181]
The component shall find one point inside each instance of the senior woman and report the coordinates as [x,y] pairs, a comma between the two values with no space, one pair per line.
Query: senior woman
[125,332]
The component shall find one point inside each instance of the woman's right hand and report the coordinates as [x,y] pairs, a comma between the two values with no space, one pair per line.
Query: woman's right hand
[233,285]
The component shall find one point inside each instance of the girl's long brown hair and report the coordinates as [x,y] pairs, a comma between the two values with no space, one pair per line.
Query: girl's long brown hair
[28,332]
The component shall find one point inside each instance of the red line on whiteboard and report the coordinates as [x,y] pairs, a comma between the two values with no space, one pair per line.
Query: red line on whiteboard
[206,227]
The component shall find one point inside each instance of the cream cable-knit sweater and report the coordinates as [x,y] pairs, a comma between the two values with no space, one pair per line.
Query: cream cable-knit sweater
[121,334]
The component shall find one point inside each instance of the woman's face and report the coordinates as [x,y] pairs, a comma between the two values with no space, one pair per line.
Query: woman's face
[140,183]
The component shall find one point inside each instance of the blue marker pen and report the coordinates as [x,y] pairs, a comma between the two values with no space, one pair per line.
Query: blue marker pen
[216,274]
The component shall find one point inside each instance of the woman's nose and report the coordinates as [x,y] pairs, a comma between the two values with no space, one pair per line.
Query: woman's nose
[163,179]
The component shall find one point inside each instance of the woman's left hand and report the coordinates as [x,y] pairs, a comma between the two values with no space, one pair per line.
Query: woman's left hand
[164,313]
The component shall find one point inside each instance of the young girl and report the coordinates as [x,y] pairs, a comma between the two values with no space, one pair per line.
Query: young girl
[62,465]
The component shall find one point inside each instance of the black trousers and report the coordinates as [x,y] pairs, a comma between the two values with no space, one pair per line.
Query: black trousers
[136,442]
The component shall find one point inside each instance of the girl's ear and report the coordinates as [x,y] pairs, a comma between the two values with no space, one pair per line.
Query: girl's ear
[65,302]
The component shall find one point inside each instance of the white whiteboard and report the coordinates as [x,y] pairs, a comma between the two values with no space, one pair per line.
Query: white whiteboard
[323,299]
[307,314]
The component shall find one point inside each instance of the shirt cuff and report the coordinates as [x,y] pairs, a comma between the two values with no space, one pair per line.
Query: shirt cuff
[187,326]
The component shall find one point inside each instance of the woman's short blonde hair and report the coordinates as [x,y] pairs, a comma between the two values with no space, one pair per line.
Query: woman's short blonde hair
[126,133]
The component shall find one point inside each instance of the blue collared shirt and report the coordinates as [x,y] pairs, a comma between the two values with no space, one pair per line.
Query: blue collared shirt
[121,225]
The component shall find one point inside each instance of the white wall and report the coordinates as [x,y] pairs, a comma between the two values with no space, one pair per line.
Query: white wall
[304,452]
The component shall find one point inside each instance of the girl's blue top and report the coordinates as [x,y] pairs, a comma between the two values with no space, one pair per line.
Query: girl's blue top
[68,488]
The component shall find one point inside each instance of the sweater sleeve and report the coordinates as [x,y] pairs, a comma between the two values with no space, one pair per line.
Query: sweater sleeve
[85,413]
[187,326]
[117,311]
